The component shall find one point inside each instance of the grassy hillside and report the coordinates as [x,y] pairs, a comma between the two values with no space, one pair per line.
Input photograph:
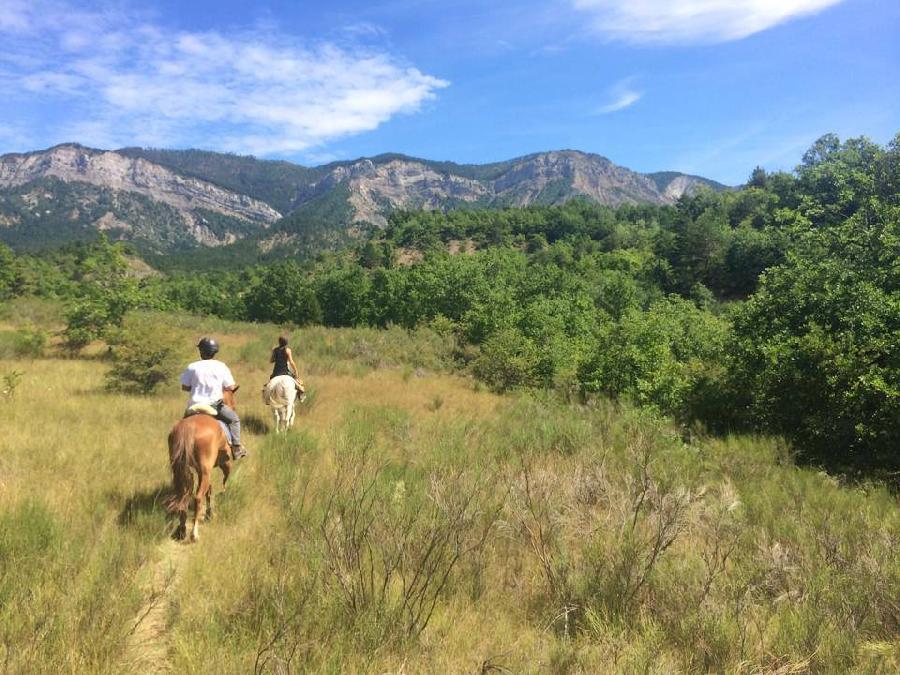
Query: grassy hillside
[413,522]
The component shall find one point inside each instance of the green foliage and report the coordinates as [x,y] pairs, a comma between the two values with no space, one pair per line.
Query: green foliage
[343,295]
[629,302]
[508,359]
[282,294]
[30,342]
[11,381]
[143,357]
[656,357]
[104,294]
[814,353]
[9,276]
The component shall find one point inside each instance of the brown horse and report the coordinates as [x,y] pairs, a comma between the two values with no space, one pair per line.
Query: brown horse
[197,444]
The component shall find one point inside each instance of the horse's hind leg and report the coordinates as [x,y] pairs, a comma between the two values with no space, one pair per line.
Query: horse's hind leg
[226,471]
[290,417]
[181,530]
[209,503]
[199,498]
[181,507]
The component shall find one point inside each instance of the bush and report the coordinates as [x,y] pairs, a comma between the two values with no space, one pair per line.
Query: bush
[143,358]
[282,296]
[30,342]
[814,353]
[86,321]
[656,357]
[508,359]
[9,382]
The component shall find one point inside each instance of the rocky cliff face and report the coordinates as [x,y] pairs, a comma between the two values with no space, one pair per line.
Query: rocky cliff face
[170,200]
[545,178]
[376,189]
[190,197]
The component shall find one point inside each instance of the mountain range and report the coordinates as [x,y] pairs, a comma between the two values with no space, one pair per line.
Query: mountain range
[188,201]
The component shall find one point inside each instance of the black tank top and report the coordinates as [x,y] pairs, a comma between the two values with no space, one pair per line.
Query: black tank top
[281,362]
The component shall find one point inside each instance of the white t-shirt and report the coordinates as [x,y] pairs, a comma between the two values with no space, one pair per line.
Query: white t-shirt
[206,379]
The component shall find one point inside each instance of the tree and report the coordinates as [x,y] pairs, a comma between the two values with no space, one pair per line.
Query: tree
[144,357]
[815,351]
[105,292]
[9,272]
[343,295]
[655,357]
[283,295]
[837,178]
[758,178]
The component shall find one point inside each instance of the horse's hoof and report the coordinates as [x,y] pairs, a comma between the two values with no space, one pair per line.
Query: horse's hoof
[208,516]
[178,534]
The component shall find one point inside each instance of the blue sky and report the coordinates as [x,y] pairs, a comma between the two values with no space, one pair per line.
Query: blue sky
[712,87]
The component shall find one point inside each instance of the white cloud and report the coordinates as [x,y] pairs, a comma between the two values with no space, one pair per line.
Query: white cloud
[692,21]
[131,81]
[622,95]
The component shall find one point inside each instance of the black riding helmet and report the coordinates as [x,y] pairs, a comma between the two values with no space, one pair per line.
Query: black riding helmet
[208,347]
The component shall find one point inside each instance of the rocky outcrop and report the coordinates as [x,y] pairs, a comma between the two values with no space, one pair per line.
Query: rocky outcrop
[376,189]
[73,163]
[544,178]
[554,177]
[682,185]
[329,203]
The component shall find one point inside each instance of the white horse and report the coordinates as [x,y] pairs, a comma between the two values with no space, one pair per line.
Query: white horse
[281,394]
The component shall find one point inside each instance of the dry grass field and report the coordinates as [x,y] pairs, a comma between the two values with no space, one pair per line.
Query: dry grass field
[413,523]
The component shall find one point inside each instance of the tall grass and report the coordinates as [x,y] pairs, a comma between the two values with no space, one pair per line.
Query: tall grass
[387,533]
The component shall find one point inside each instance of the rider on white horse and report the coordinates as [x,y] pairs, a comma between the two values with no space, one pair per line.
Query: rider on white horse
[283,388]
[283,359]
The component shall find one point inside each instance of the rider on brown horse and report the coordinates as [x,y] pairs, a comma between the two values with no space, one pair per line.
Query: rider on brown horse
[206,379]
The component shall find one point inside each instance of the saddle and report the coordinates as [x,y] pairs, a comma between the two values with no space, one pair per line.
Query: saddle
[200,409]
[207,409]
[298,383]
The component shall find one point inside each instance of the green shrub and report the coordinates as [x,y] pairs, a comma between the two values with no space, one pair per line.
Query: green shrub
[143,358]
[508,359]
[656,357]
[9,383]
[30,342]
[814,353]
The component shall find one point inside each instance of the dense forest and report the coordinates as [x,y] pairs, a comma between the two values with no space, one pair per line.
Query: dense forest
[773,308]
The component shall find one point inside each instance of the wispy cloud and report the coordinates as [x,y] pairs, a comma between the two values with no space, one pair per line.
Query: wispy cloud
[691,21]
[621,96]
[130,81]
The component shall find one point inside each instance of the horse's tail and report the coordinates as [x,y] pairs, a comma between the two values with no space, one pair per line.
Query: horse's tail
[181,440]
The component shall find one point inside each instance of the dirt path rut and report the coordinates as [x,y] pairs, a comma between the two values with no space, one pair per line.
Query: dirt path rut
[148,645]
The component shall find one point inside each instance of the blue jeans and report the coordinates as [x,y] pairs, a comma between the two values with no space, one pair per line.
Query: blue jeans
[230,418]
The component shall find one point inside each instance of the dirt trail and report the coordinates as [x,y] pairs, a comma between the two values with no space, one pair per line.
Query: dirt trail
[147,650]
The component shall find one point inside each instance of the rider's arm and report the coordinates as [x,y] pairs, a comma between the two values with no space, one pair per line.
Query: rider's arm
[185,380]
[290,358]
[228,379]
[272,357]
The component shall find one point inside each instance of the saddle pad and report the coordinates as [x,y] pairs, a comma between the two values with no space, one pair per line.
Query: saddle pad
[204,409]
[201,409]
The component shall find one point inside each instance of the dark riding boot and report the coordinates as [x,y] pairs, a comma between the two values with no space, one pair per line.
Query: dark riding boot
[238,451]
